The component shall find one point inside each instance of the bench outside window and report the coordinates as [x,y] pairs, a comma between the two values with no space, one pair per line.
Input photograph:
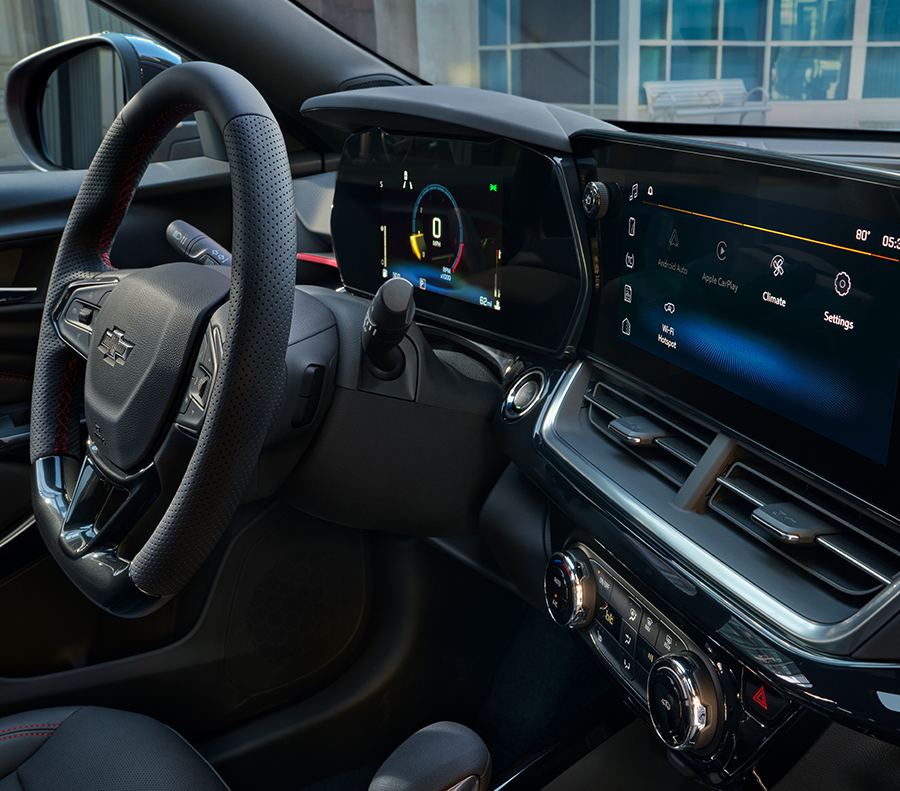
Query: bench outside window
[669,100]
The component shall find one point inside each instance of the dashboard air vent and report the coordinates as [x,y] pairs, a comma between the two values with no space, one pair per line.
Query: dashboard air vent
[850,551]
[667,442]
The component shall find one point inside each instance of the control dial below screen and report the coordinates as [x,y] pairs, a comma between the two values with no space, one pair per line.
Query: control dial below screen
[570,588]
[683,703]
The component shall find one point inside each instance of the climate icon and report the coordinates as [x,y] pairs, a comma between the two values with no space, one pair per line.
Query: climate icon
[627,295]
[626,327]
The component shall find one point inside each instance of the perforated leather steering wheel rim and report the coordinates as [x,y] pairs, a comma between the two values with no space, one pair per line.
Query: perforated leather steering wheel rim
[249,384]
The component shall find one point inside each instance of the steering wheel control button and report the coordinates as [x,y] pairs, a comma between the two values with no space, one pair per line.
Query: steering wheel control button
[200,386]
[569,588]
[683,703]
[761,699]
[76,311]
[203,377]
[525,392]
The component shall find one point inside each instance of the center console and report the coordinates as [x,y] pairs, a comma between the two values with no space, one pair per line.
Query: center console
[723,456]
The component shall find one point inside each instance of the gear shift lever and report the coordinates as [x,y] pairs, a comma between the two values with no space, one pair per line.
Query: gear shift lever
[444,756]
[386,324]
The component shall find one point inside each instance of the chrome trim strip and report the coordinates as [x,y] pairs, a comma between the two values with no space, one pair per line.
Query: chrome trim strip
[889,700]
[671,449]
[734,592]
[29,521]
[16,439]
[854,561]
[16,294]
[728,484]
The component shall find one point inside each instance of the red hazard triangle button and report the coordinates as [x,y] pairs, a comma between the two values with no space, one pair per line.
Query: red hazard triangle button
[760,698]
[763,701]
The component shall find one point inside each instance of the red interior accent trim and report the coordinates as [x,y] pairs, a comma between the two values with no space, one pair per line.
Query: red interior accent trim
[317,259]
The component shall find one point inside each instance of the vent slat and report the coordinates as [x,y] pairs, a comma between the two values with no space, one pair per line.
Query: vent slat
[853,551]
[839,546]
[814,559]
[673,456]
[855,560]
[687,450]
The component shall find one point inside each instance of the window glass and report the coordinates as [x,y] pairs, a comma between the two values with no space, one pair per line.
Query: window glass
[744,20]
[746,63]
[882,73]
[693,63]
[812,20]
[695,19]
[804,73]
[606,24]
[493,70]
[653,67]
[535,21]
[799,52]
[884,21]
[606,75]
[654,16]
[492,21]
[27,26]
[557,74]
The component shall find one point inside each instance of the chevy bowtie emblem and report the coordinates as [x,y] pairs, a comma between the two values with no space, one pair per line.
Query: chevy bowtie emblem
[114,346]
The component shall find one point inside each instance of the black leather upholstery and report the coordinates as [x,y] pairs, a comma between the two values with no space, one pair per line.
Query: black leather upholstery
[85,748]
[435,758]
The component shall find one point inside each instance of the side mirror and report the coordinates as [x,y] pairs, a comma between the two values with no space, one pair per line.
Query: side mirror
[61,100]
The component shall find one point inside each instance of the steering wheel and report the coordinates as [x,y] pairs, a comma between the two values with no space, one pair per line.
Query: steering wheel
[179,371]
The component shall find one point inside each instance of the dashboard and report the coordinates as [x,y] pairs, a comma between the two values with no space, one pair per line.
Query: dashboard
[704,387]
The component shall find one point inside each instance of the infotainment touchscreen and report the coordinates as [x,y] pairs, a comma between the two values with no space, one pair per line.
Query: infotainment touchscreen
[777,285]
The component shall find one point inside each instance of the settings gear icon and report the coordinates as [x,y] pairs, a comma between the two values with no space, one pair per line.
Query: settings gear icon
[842,284]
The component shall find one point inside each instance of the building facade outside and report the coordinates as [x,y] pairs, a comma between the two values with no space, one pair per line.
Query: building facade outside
[832,63]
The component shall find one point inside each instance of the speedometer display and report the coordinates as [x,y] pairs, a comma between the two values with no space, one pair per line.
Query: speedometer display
[450,240]
[437,234]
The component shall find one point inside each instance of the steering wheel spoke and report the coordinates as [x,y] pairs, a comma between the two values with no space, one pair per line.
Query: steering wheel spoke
[101,510]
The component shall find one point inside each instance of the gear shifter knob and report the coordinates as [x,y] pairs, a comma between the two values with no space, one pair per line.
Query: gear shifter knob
[386,324]
[441,757]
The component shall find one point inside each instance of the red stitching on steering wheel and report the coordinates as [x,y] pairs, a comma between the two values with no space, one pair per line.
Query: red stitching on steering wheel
[145,141]
[62,407]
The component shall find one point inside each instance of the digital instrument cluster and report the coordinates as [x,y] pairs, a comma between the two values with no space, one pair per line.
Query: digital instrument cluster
[484,231]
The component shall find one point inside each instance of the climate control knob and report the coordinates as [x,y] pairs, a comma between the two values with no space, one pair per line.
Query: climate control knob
[570,588]
[681,694]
